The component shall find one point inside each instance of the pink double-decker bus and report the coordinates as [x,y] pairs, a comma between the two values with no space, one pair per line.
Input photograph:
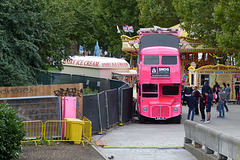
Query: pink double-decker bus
[159,77]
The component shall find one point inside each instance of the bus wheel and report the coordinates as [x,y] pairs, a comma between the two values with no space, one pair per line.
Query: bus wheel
[141,118]
[177,120]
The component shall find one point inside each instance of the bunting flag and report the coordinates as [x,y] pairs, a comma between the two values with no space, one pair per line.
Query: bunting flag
[125,28]
[118,30]
[128,29]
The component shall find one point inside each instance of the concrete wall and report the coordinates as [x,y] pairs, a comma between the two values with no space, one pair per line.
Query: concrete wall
[206,143]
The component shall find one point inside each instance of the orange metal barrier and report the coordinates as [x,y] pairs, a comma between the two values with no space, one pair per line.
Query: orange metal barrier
[34,131]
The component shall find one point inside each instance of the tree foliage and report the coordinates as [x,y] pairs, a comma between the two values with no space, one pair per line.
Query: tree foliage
[108,15]
[215,22]
[20,34]
[32,31]
[157,12]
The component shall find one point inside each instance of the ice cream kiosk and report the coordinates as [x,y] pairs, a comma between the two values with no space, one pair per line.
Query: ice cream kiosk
[216,73]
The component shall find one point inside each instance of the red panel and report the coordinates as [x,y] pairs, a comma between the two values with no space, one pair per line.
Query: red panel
[164,111]
[155,111]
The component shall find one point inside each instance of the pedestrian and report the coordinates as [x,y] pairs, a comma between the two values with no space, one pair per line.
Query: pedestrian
[202,108]
[208,103]
[206,88]
[192,103]
[222,97]
[196,94]
[182,94]
[188,90]
[237,89]
[216,97]
[215,87]
[224,88]
[228,91]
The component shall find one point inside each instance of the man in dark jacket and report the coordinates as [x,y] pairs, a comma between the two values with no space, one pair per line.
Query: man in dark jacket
[206,88]
[192,104]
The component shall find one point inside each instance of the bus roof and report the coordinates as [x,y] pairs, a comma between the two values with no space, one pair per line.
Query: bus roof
[156,39]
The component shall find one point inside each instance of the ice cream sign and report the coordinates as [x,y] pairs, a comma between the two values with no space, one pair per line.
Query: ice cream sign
[95,63]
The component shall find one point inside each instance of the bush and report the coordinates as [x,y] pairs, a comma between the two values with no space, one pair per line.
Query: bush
[89,91]
[11,133]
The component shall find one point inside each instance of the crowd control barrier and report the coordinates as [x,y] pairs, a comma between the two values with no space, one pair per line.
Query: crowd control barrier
[199,137]
[69,130]
[34,131]
[87,130]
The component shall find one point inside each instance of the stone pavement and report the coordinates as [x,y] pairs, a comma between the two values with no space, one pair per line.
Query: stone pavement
[134,141]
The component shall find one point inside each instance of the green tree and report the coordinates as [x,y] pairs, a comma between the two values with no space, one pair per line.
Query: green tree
[227,14]
[19,38]
[32,31]
[157,12]
[71,22]
[214,22]
[108,15]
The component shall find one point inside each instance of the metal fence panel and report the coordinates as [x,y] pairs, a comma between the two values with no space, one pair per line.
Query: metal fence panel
[116,83]
[90,110]
[61,78]
[36,108]
[126,104]
[34,131]
[100,84]
[112,107]
[103,110]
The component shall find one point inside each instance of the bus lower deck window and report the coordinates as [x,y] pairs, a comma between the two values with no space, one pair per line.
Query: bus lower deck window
[170,90]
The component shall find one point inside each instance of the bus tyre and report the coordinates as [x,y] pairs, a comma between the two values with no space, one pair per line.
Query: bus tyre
[141,118]
[177,120]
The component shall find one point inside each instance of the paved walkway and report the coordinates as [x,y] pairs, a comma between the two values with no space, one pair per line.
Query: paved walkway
[135,141]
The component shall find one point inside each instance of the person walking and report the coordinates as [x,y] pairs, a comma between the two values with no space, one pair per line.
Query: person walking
[196,94]
[222,97]
[216,97]
[202,108]
[208,106]
[224,88]
[227,91]
[192,104]
[215,87]
[215,93]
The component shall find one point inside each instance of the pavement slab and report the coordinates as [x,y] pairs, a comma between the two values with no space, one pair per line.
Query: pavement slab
[135,141]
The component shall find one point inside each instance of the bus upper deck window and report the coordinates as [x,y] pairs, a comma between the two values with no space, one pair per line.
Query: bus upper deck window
[151,60]
[169,60]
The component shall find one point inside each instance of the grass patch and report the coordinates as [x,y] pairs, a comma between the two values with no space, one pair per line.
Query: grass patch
[53,69]
[42,142]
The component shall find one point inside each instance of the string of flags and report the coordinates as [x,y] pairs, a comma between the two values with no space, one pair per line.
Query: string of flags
[126,29]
